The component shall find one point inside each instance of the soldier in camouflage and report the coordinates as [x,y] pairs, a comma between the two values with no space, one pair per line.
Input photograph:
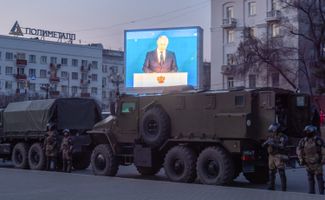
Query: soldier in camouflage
[311,154]
[50,145]
[66,149]
[276,149]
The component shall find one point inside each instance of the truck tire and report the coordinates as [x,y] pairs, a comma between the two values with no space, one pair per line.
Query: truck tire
[36,157]
[103,161]
[215,166]
[155,127]
[19,156]
[148,171]
[179,164]
[260,176]
[81,161]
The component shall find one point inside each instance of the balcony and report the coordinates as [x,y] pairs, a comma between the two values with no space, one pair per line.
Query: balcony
[54,93]
[21,77]
[229,23]
[84,68]
[228,69]
[54,79]
[21,62]
[84,82]
[85,94]
[273,16]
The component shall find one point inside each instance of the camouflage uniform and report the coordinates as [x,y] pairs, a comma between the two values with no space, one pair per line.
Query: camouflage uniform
[66,149]
[311,154]
[50,144]
[276,150]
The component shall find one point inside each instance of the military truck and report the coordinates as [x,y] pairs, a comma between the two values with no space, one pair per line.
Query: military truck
[212,135]
[23,128]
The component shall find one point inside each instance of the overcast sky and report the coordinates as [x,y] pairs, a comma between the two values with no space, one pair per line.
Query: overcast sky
[104,21]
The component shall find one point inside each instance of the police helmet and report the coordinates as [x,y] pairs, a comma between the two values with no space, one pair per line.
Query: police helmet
[273,128]
[310,129]
[66,131]
[50,127]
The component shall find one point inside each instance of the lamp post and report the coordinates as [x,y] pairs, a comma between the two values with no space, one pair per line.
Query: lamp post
[116,80]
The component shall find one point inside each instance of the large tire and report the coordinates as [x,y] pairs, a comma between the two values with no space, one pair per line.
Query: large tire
[36,157]
[155,127]
[19,156]
[215,166]
[260,176]
[81,161]
[103,161]
[179,164]
[148,171]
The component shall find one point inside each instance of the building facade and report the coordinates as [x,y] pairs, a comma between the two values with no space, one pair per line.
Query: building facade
[113,76]
[230,21]
[36,68]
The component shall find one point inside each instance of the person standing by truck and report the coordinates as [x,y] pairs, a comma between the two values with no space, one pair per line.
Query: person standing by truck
[50,145]
[66,149]
[311,154]
[276,149]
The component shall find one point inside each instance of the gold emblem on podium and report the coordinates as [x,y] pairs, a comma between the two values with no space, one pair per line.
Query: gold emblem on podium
[161,79]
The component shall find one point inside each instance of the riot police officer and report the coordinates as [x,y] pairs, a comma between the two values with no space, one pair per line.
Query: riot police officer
[276,144]
[311,154]
[66,149]
[50,145]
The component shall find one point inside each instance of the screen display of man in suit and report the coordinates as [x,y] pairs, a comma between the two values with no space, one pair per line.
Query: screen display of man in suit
[160,60]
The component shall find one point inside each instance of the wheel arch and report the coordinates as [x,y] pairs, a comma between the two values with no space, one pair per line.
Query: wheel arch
[102,137]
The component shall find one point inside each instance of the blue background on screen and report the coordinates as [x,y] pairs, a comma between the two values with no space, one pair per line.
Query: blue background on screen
[183,42]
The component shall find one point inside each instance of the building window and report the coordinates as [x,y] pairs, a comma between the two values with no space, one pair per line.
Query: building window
[252,81]
[74,62]
[104,82]
[32,73]
[20,70]
[230,82]
[104,94]
[32,87]
[105,68]
[64,89]
[0,70]
[275,30]
[230,36]
[32,58]
[94,65]
[0,55]
[84,90]
[42,73]
[43,59]
[64,61]
[9,56]
[54,60]
[8,85]
[230,59]
[64,75]
[21,56]
[275,5]
[74,76]
[93,91]
[275,79]
[9,71]
[74,90]
[94,77]
[230,12]
[252,8]
[84,63]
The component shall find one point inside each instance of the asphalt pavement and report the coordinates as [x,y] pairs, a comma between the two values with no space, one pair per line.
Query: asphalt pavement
[82,185]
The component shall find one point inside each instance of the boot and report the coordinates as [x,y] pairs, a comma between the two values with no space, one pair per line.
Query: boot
[272,179]
[69,162]
[283,179]
[311,182]
[320,182]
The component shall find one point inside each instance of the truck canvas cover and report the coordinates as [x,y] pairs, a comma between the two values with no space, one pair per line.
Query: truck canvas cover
[33,116]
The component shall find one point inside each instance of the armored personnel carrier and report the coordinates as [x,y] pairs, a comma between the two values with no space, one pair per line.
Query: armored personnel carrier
[209,135]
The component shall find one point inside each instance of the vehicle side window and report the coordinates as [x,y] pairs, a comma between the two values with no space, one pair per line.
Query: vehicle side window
[239,101]
[128,107]
[266,100]
[301,101]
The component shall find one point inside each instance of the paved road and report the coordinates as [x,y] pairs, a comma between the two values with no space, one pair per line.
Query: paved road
[82,185]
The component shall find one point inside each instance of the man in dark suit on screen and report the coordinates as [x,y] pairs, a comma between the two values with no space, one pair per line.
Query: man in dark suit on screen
[160,60]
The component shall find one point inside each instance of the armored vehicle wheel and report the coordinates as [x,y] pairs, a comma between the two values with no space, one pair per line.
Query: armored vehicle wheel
[148,171]
[215,166]
[260,176]
[155,127]
[179,164]
[103,161]
[81,161]
[19,156]
[36,157]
